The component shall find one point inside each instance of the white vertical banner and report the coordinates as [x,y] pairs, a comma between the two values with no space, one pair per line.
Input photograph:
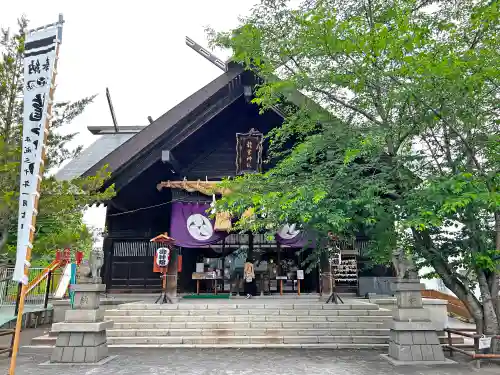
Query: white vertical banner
[40,54]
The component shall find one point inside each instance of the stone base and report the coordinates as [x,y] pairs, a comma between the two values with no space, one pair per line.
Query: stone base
[416,352]
[395,362]
[80,347]
[100,363]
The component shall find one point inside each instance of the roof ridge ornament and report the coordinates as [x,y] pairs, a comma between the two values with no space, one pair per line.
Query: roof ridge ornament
[206,54]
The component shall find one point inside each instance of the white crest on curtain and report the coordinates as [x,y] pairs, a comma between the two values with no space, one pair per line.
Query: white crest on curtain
[199,227]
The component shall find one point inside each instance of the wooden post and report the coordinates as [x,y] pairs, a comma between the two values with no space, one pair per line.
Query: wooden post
[164,282]
[198,286]
[18,297]
[298,287]
[281,287]
[45,129]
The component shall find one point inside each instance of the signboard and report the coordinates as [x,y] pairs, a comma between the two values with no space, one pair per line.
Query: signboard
[484,343]
[249,152]
[281,277]
[40,55]
[162,256]
[200,267]
[300,274]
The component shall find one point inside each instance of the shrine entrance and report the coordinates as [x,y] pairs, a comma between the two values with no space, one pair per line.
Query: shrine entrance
[218,269]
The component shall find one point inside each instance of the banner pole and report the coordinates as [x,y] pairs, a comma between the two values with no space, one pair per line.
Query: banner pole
[45,129]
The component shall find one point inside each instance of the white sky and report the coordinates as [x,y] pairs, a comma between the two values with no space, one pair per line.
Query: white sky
[136,48]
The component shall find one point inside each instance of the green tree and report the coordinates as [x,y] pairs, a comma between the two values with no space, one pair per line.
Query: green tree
[59,223]
[406,146]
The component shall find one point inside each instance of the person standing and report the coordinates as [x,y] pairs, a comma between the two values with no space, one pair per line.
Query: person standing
[249,275]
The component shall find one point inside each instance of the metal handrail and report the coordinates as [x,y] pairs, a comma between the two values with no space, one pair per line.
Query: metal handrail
[473,354]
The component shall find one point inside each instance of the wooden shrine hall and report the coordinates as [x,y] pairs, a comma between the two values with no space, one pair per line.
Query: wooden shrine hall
[165,174]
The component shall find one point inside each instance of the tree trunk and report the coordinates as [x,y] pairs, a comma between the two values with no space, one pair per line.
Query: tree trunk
[484,314]
[3,239]
[490,325]
[495,287]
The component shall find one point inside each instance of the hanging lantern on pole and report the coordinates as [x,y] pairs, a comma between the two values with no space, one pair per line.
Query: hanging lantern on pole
[161,261]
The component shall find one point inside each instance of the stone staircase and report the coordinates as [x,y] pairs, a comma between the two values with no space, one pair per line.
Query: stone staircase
[250,324]
[247,324]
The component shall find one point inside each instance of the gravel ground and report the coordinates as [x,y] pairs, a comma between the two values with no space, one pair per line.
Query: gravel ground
[238,362]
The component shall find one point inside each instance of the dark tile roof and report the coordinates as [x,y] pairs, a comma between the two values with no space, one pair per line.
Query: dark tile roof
[97,151]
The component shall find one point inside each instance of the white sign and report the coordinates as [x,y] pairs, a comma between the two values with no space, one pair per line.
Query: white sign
[200,267]
[39,59]
[162,256]
[300,274]
[199,227]
[281,277]
[484,343]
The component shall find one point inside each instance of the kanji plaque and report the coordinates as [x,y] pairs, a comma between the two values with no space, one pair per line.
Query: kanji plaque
[249,152]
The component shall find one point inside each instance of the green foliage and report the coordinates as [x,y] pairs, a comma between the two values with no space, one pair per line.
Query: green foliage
[59,222]
[405,146]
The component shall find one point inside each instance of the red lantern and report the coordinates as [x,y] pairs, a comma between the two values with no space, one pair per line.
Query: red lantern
[58,255]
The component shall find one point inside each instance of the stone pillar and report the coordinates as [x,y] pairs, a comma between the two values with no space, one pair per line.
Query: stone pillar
[81,338]
[326,276]
[413,337]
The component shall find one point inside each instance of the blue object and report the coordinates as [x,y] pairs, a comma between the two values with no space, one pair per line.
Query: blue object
[72,282]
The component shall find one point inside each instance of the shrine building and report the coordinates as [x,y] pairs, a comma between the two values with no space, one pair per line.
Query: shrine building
[164,174]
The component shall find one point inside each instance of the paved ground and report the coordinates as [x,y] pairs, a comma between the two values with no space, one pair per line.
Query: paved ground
[239,362]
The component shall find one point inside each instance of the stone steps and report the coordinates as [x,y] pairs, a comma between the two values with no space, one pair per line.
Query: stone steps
[154,342]
[218,332]
[247,325]
[238,340]
[246,318]
[47,342]
[248,306]
[243,312]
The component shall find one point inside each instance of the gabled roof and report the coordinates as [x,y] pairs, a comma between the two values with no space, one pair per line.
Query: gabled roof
[137,144]
[119,150]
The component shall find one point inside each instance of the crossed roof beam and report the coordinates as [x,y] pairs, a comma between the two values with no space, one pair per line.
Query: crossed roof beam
[217,62]
[206,54]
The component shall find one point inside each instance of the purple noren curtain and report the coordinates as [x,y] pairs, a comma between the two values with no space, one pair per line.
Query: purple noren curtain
[192,227]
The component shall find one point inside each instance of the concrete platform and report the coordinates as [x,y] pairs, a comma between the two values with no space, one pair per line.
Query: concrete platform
[100,363]
[446,362]
[289,361]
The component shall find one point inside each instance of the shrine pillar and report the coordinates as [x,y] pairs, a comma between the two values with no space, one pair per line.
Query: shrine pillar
[172,274]
[326,276]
